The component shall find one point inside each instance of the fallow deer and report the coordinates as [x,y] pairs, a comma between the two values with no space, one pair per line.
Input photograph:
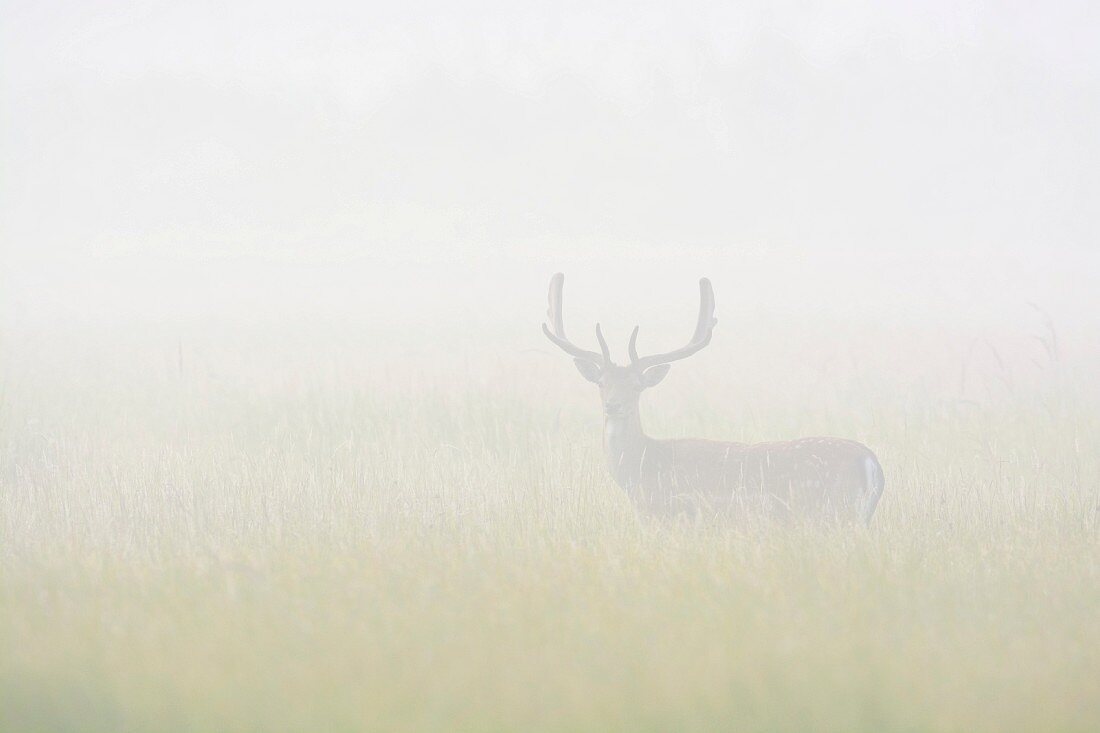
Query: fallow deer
[809,477]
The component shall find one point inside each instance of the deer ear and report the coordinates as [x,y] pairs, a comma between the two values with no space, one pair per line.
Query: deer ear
[588,370]
[653,376]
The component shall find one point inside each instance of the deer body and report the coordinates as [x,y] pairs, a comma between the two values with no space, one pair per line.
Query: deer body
[810,477]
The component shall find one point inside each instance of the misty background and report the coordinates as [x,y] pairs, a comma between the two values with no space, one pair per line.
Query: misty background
[393,162]
[282,446]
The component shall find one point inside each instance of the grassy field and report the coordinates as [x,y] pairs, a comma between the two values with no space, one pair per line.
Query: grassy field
[245,529]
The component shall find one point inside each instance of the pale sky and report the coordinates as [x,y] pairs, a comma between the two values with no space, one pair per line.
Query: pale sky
[904,142]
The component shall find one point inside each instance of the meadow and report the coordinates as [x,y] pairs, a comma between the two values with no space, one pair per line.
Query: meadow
[339,527]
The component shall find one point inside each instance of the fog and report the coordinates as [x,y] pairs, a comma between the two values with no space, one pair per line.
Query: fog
[283,447]
[176,158]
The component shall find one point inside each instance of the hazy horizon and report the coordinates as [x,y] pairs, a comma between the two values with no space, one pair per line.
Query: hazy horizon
[902,159]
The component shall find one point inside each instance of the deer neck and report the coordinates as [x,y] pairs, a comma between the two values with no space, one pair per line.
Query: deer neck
[624,445]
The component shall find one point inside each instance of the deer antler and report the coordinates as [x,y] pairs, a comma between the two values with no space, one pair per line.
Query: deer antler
[557,335]
[704,328]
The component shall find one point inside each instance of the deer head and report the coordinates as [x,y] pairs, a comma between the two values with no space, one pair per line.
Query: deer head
[621,386]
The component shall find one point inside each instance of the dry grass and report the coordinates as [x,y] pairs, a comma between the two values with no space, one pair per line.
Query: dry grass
[300,532]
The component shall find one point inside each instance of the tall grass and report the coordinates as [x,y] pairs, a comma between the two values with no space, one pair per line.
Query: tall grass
[305,530]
